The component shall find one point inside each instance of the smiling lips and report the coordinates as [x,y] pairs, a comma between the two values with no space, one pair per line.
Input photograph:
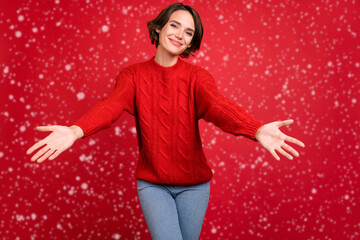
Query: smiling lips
[176,43]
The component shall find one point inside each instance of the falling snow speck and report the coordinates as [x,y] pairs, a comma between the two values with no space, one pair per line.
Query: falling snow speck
[22,129]
[80,96]
[21,18]
[67,67]
[117,131]
[35,29]
[18,34]
[116,236]
[91,142]
[133,130]
[124,11]
[84,186]
[313,191]
[58,226]
[105,28]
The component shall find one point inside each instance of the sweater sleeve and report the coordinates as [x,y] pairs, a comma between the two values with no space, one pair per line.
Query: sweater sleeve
[103,114]
[213,107]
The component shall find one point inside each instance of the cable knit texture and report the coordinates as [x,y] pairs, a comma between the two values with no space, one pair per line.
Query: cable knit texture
[167,103]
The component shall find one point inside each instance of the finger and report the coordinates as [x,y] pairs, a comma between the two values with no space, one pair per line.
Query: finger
[56,153]
[35,146]
[290,149]
[40,153]
[285,154]
[285,123]
[273,153]
[294,141]
[44,128]
[45,156]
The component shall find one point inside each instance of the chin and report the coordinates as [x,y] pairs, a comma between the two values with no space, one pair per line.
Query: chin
[177,53]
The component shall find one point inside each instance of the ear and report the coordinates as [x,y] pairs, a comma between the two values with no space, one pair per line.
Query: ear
[157,30]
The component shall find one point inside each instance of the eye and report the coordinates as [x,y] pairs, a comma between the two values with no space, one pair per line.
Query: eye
[189,33]
[173,25]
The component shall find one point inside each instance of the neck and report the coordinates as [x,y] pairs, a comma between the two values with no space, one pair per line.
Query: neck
[164,59]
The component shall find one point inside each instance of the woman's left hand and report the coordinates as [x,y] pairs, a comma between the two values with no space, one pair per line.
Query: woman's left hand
[273,140]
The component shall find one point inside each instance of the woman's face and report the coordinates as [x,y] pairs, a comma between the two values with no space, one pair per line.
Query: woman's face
[177,33]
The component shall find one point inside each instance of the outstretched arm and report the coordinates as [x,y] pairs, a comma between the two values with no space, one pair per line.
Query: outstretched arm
[100,116]
[273,140]
[59,140]
[212,106]
[103,114]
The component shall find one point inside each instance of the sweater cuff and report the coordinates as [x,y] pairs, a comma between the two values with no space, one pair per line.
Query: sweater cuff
[254,128]
[82,125]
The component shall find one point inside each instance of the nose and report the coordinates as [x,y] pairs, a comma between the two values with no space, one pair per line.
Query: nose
[178,34]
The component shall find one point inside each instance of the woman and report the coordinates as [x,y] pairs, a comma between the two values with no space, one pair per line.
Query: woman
[168,96]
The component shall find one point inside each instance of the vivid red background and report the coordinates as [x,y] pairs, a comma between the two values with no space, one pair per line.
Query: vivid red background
[278,59]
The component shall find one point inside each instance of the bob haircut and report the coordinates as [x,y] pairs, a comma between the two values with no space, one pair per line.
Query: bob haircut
[160,21]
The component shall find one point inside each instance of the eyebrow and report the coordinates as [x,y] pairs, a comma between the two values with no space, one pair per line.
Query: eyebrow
[180,24]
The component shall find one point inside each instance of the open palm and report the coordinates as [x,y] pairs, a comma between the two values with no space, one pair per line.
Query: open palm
[273,140]
[61,138]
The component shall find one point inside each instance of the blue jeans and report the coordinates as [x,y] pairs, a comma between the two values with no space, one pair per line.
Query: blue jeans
[172,211]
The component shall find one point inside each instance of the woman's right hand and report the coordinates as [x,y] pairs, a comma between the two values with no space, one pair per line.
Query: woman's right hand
[61,138]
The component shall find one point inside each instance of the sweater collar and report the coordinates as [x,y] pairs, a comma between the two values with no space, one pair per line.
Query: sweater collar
[169,70]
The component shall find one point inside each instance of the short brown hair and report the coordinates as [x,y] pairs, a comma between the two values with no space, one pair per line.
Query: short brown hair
[160,21]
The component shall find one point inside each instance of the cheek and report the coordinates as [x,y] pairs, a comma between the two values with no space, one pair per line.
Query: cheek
[162,37]
[188,40]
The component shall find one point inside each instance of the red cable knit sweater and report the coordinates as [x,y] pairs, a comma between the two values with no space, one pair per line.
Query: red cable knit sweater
[167,103]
